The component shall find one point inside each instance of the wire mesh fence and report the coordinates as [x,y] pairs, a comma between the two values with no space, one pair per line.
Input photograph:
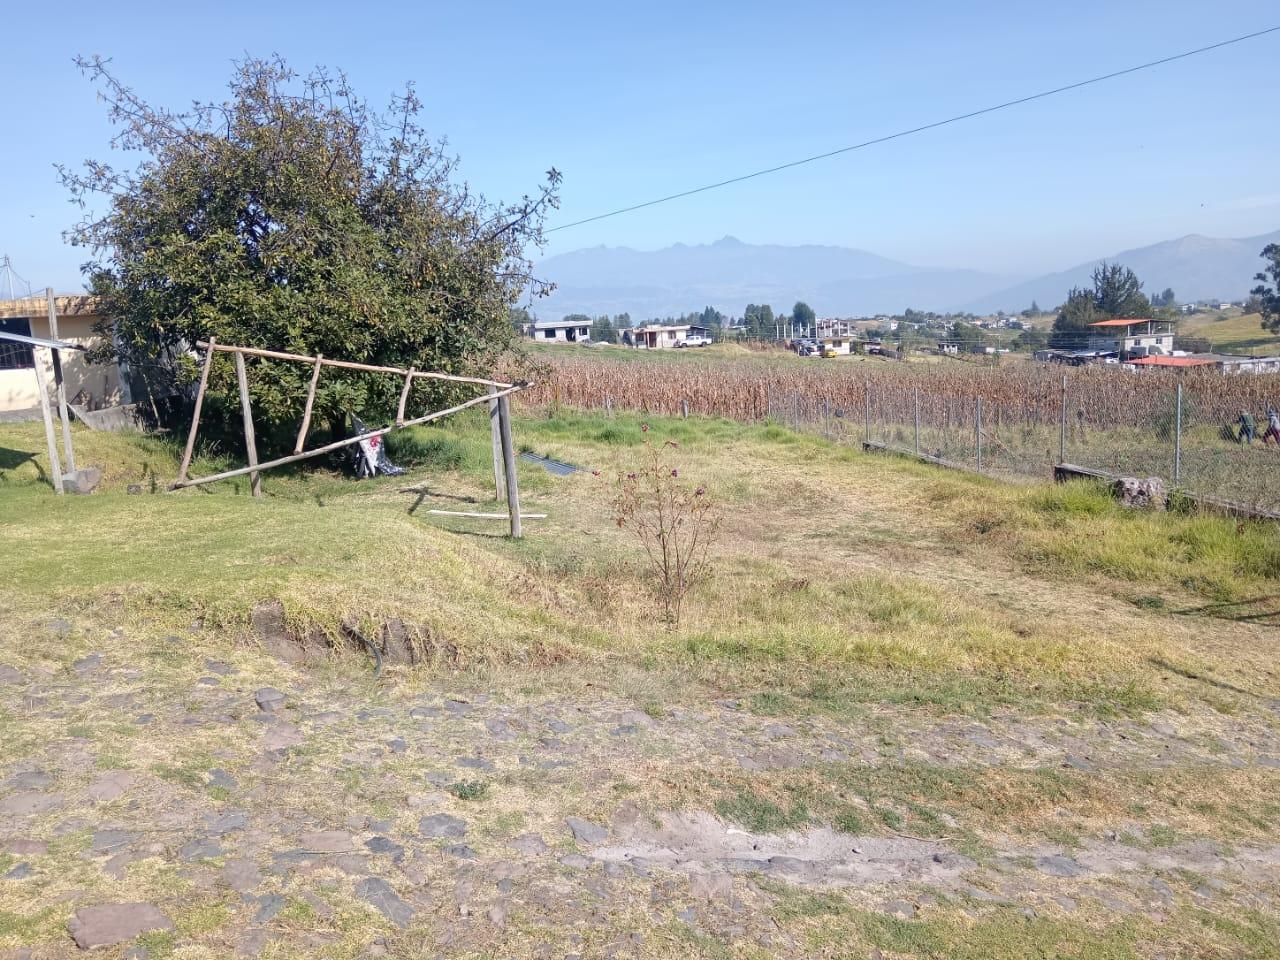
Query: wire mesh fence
[1191,442]
[1007,420]
[1194,443]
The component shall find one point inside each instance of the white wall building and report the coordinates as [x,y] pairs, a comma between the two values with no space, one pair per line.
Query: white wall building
[562,331]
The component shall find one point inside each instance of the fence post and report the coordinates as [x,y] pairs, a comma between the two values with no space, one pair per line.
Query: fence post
[250,445]
[1177,436]
[495,442]
[684,409]
[1062,425]
[867,393]
[509,464]
[916,398]
[46,413]
[60,386]
[977,422]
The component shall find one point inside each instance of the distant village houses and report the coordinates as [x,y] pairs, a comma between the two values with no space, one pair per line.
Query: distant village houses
[1143,343]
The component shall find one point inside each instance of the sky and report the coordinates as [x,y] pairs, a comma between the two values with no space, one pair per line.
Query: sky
[634,101]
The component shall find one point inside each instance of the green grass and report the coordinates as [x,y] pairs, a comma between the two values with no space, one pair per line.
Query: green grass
[334,550]
[761,815]
[469,789]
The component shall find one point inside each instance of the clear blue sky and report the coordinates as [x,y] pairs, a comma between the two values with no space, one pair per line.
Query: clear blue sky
[633,101]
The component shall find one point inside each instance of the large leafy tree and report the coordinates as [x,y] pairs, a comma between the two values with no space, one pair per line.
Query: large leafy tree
[1267,299]
[1117,292]
[292,216]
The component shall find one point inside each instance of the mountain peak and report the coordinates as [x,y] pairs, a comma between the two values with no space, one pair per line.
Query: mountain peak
[728,241]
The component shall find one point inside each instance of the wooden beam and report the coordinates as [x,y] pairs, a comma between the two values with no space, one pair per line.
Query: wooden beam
[350,364]
[55,468]
[195,412]
[485,516]
[60,386]
[250,445]
[306,410]
[404,397]
[495,441]
[337,444]
[509,464]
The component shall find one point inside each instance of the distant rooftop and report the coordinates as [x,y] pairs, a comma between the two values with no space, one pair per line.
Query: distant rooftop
[1127,322]
[67,305]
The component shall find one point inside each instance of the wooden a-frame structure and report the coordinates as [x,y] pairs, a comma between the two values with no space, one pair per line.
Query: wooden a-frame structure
[504,456]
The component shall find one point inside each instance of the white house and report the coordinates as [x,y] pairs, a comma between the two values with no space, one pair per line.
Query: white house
[841,343]
[657,336]
[562,331]
[1132,337]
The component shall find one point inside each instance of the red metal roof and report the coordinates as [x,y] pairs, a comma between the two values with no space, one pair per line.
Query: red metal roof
[1124,322]
[1171,362]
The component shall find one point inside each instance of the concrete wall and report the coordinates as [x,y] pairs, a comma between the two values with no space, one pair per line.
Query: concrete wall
[94,386]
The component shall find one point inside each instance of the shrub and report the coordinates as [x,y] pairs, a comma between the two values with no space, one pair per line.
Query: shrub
[674,520]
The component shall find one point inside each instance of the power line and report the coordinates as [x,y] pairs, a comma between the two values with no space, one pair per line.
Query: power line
[928,126]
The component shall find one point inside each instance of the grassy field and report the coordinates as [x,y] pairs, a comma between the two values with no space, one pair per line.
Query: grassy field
[1232,332]
[889,607]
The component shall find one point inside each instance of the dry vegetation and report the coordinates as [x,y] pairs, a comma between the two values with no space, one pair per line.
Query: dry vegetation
[730,385]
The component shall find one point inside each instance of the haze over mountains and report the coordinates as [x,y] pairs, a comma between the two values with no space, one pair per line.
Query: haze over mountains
[841,281]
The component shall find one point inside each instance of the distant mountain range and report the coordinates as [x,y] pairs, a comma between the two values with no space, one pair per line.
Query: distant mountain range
[1195,267]
[841,281]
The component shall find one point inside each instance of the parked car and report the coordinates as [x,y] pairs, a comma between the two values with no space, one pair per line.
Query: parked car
[694,341]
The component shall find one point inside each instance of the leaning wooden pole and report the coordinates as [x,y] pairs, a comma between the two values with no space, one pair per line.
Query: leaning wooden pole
[60,385]
[509,464]
[311,400]
[495,437]
[195,412]
[55,468]
[251,446]
[404,397]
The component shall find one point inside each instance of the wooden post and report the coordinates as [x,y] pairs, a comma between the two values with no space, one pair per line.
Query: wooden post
[195,412]
[977,420]
[867,392]
[55,468]
[251,446]
[608,406]
[509,465]
[1062,424]
[404,397]
[311,399]
[495,438]
[684,409]
[916,398]
[60,385]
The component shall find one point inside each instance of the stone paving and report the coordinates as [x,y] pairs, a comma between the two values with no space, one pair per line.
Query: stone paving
[164,803]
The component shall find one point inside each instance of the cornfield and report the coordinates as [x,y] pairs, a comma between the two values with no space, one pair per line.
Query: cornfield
[1015,420]
[1100,397]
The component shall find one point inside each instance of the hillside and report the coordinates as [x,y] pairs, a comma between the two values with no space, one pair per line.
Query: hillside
[1196,267]
[843,281]
[729,274]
